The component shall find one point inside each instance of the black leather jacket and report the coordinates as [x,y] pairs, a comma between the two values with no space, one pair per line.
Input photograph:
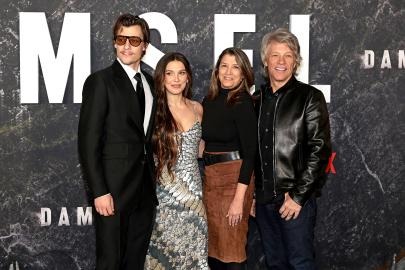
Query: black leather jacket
[301,141]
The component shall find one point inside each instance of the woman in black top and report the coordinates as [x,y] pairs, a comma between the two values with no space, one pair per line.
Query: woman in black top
[229,131]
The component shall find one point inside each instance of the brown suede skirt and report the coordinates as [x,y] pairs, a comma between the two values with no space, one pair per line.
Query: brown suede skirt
[225,243]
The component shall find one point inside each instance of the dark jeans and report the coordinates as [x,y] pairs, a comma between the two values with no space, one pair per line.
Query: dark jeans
[287,244]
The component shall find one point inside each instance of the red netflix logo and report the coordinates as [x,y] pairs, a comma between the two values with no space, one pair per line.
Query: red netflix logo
[330,167]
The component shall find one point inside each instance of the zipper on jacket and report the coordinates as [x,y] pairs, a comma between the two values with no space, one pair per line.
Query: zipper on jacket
[274,147]
[258,133]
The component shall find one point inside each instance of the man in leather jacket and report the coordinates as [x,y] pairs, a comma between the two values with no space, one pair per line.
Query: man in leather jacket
[294,148]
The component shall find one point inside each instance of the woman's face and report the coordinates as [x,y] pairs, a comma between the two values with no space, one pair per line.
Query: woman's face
[176,77]
[229,72]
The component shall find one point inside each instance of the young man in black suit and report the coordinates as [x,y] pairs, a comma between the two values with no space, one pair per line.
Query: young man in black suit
[115,125]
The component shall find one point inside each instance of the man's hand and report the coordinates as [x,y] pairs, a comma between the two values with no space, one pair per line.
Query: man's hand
[104,205]
[289,209]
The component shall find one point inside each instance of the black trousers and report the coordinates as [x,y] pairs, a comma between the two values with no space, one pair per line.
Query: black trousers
[122,240]
[287,244]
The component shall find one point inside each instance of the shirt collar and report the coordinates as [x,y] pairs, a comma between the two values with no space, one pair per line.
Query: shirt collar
[130,71]
[269,93]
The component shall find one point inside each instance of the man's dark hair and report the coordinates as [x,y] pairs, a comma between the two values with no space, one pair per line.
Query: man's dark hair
[129,20]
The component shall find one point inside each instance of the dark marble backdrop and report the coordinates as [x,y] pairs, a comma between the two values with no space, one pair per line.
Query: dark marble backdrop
[361,213]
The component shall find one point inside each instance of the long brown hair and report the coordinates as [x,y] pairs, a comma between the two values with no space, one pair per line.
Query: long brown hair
[247,73]
[164,139]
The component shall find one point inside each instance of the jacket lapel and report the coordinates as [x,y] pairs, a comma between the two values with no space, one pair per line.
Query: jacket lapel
[130,99]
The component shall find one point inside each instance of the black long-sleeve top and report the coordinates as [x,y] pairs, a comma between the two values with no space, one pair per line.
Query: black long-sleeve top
[233,127]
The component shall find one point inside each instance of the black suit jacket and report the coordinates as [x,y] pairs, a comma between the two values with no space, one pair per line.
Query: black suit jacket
[111,138]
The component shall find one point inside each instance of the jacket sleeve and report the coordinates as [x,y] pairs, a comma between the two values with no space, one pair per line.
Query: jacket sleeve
[90,133]
[316,152]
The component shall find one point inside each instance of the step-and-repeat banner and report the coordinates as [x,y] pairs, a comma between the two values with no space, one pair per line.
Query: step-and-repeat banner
[353,51]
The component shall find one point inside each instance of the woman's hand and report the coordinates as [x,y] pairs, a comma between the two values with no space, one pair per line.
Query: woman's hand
[201,148]
[235,212]
[253,208]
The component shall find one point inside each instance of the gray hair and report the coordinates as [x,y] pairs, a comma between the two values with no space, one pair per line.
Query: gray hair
[281,35]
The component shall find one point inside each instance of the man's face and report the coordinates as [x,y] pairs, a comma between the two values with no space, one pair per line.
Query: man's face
[280,63]
[127,53]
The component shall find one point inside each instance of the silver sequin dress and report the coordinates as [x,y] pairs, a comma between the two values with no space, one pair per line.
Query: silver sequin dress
[179,238]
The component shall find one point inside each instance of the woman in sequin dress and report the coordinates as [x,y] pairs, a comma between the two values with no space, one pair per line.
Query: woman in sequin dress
[179,238]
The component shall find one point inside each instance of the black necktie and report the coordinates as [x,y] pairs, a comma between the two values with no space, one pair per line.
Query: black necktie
[140,93]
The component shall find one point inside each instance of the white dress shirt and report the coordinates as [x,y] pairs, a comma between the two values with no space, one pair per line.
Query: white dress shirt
[148,94]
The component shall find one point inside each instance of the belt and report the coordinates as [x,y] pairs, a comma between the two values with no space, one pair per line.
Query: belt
[210,159]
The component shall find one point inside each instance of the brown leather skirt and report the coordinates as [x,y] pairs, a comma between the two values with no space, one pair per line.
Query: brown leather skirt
[225,243]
